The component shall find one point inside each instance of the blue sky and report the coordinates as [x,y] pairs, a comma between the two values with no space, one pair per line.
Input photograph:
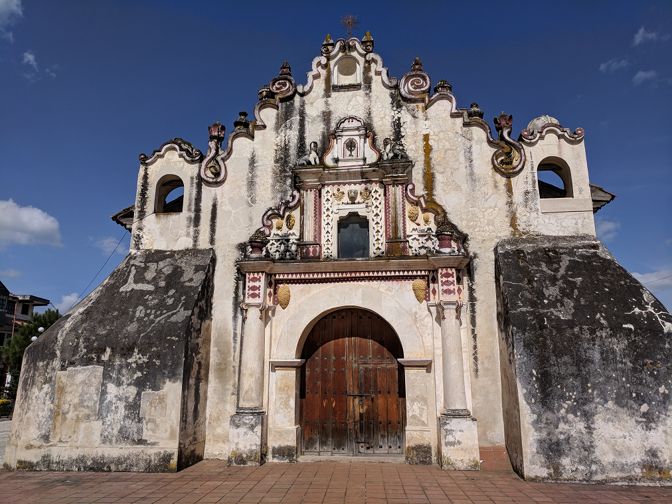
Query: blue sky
[86,86]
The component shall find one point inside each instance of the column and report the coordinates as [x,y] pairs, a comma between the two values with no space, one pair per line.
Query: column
[454,391]
[458,433]
[247,428]
[251,385]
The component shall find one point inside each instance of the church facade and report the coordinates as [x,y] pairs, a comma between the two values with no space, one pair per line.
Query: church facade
[361,269]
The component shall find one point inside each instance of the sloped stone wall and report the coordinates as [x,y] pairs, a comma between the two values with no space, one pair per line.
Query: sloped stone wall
[586,373]
[120,382]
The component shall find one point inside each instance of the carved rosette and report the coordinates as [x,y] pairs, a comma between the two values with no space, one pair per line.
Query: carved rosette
[283,86]
[509,159]
[415,85]
[213,169]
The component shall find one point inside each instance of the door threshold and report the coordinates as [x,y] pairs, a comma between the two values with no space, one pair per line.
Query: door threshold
[372,458]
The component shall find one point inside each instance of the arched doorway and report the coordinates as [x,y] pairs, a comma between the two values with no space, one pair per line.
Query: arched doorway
[353,397]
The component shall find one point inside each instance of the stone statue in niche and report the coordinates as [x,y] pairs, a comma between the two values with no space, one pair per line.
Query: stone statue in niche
[312,158]
[392,151]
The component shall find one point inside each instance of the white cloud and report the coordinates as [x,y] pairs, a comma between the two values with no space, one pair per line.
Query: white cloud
[606,230]
[108,244]
[642,36]
[657,281]
[612,65]
[29,59]
[10,273]
[27,226]
[66,302]
[10,12]
[644,76]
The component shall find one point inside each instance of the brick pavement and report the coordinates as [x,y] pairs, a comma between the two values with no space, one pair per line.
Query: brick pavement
[315,482]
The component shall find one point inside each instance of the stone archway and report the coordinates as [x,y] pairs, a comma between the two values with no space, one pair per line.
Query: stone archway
[284,429]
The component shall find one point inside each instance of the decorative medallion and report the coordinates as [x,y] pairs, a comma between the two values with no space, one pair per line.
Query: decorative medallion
[289,221]
[284,296]
[352,194]
[413,212]
[278,224]
[366,194]
[427,218]
[419,289]
[338,195]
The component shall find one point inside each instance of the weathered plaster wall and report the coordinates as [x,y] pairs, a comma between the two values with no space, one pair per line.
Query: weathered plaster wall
[586,352]
[452,165]
[120,382]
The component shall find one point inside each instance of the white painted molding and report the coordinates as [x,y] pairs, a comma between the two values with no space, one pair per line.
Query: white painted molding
[558,205]
[286,363]
[415,363]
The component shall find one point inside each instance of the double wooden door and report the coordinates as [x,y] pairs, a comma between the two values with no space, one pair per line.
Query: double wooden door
[352,387]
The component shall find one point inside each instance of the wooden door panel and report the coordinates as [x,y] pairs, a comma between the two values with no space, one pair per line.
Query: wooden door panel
[352,391]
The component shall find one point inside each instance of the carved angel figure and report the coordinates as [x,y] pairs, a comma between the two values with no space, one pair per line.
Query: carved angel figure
[311,158]
[392,151]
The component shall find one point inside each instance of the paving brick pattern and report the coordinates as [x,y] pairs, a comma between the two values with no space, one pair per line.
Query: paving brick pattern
[315,482]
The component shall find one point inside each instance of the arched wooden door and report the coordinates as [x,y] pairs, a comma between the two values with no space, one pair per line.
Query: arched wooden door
[353,398]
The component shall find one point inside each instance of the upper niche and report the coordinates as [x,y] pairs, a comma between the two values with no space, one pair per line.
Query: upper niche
[347,72]
[351,145]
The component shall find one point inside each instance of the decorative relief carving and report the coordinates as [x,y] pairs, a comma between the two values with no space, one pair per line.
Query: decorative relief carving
[419,289]
[312,158]
[414,85]
[422,241]
[413,212]
[391,151]
[282,247]
[327,227]
[377,222]
[338,195]
[427,218]
[284,86]
[284,296]
[290,221]
[366,193]
[509,159]
[278,224]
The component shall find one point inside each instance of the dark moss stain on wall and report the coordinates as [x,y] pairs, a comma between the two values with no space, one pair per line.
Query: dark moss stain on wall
[141,210]
[397,105]
[251,183]
[473,301]
[283,161]
[198,199]
[511,205]
[301,147]
[427,169]
[213,220]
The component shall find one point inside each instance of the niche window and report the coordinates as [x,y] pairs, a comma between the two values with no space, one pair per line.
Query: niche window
[353,237]
[554,178]
[347,72]
[169,194]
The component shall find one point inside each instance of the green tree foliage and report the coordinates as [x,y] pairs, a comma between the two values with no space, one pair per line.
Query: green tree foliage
[12,352]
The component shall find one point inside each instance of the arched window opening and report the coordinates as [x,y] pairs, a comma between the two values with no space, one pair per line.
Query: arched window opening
[555,179]
[353,236]
[169,194]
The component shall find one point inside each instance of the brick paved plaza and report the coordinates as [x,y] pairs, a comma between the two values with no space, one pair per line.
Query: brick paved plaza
[314,482]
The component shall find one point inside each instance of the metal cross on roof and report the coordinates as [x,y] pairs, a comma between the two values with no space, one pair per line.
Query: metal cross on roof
[350,23]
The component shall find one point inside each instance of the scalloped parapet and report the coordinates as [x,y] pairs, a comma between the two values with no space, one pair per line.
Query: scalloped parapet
[185,150]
